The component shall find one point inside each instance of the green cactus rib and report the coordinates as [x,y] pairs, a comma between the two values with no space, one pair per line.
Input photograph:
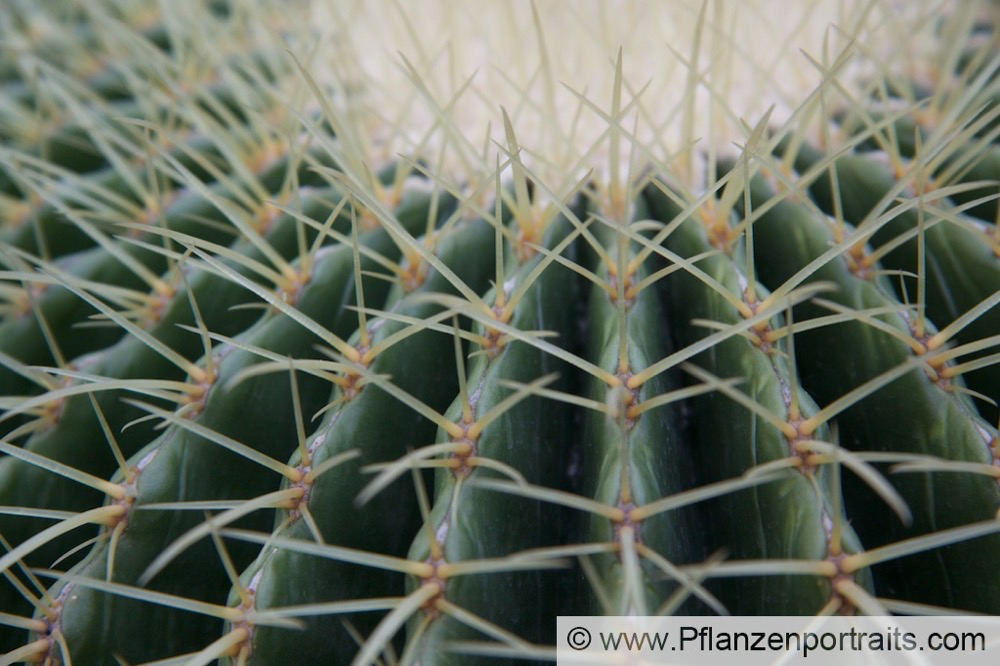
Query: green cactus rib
[792,518]
[119,196]
[495,426]
[163,473]
[371,424]
[80,145]
[633,458]
[263,403]
[956,262]
[44,230]
[206,214]
[943,423]
[135,169]
[977,167]
[77,437]
[89,135]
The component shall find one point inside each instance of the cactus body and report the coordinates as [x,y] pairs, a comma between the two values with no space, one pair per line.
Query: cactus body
[289,381]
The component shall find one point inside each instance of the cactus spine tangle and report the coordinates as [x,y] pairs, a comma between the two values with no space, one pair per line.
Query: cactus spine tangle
[351,333]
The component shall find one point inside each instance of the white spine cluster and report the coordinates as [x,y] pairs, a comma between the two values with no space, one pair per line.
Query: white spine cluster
[696,70]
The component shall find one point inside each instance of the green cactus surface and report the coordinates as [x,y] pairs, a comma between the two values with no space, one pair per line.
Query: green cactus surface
[295,369]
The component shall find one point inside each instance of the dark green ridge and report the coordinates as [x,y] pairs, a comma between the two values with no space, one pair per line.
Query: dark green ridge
[381,428]
[186,467]
[77,439]
[962,269]
[787,518]
[63,311]
[938,423]
[477,523]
